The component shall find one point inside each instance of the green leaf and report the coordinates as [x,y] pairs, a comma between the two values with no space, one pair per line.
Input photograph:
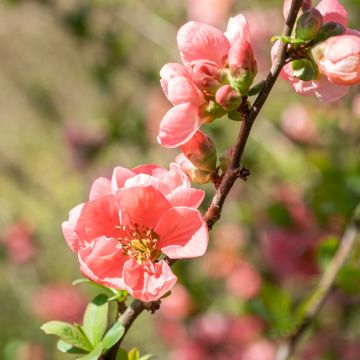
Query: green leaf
[121,355]
[68,348]
[349,279]
[93,355]
[134,354]
[147,357]
[304,69]
[256,88]
[326,251]
[113,335]
[69,333]
[95,319]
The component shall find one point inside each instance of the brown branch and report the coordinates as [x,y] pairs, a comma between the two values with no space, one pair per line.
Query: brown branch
[322,291]
[213,213]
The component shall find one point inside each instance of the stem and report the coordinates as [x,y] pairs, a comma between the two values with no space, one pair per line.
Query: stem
[213,213]
[320,294]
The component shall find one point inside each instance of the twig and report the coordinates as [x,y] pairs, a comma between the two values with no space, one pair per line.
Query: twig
[213,213]
[319,296]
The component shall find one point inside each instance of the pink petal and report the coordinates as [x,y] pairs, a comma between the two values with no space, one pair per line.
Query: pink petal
[333,10]
[178,86]
[150,282]
[178,125]
[147,180]
[68,228]
[188,197]
[119,176]
[99,217]
[183,233]
[174,178]
[329,92]
[143,205]
[238,28]
[149,169]
[100,187]
[103,262]
[197,41]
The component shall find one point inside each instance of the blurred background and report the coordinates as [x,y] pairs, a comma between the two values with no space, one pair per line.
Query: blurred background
[80,94]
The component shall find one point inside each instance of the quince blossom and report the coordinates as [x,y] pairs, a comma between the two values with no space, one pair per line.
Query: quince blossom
[132,219]
[211,59]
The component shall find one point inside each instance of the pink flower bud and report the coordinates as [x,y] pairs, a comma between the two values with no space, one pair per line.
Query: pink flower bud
[340,62]
[309,24]
[196,175]
[206,75]
[242,64]
[201,151]
[228,98]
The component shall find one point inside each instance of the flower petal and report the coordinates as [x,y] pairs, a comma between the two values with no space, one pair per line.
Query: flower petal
[333,10]
[183,233]
[143,205]
[119,176]
[149,169]
[188,197]
[102,262]
[198,41]
[238,28]
[100,187]
[99,217]
[68,228]
[149,282]
[178,125]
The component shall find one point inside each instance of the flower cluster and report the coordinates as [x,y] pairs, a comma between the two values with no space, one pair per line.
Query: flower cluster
[131,220]
[218,70]
[326,54]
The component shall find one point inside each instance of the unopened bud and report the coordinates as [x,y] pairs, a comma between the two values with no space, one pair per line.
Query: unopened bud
[242,63]
[309,24]
[211,111]
[194,174]
[207,75]
[330,29]
[225,159]
[201,151]
[228,98]
[304,69]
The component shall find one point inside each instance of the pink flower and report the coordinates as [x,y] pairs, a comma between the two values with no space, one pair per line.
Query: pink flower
[206,53]
[59,302]
[340,62]
[322,88]
[130,221]
[259,350]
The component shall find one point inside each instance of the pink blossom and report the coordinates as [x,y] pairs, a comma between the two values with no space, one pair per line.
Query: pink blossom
[244,282]
[130,221]
[213,12]
[19,242]
[205,52]
[322,88]
[178,305]
[30,351]
[59,302]
[259,350]
[340,62]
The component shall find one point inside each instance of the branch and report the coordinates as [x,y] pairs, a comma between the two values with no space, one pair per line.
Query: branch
[324,287]
[213,213]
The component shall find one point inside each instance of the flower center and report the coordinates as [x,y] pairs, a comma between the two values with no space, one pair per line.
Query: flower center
[139,242]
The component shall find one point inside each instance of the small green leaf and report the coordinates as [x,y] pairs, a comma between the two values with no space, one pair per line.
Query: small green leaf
[304,69]
[68,348]
[113,335]
[349,279]
[256,88]
[134,354]
[93,355]
[69,333]
[121,355]
[326,251]
[95,318]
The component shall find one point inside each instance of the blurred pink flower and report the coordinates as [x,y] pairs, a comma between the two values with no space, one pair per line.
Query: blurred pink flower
[219,264]
[130,221]
[30,351]
[259,350]
[212,12]
[245,329]
[356,106]
[19,242]
[243,282]
[228,237]
[297,123]
[178,305]
[59,302]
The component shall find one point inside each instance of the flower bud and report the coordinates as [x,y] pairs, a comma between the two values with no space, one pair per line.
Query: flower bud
[242,63]
[201,151]
[330,29]
[309,24]
[194,174]
[206,75]
[304,69]
[340,62]
[211,111]
[225,159]
[228,98]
